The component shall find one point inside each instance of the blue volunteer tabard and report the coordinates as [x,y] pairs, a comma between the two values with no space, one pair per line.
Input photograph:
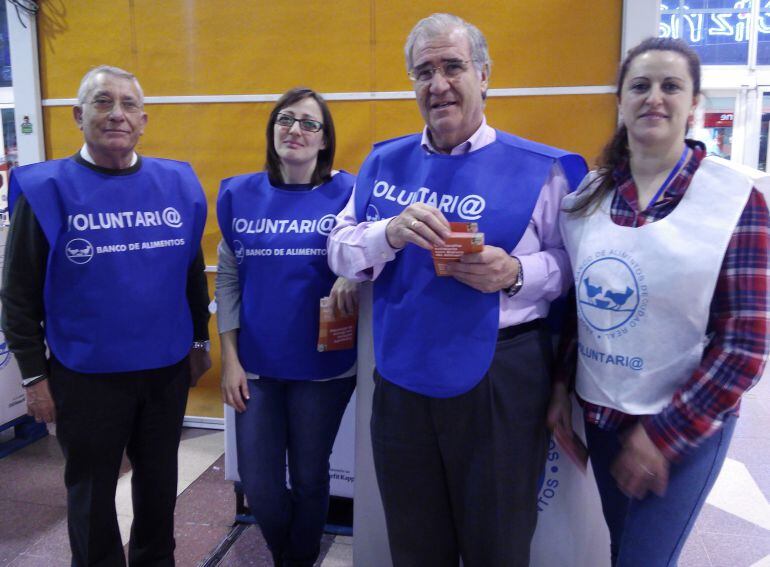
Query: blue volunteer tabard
[120,250]
[278,237]
[434,335]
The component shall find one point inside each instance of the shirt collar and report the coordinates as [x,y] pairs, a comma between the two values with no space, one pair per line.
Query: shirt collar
[86,155]
[485,135]
[676,187]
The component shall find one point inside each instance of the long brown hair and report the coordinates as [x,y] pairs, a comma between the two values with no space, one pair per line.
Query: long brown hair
[616,151]
[323,166]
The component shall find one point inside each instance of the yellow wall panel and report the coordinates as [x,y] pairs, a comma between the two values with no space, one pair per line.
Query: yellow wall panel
[582,124]
[532,44]
[75,35]
[185,47]
[225,47]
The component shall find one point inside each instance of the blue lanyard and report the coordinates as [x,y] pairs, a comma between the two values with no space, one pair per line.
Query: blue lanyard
[668,179]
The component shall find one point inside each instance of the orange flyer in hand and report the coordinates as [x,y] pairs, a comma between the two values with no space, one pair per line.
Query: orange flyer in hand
[573,446]
[456,245]
[335,331]
[464,226]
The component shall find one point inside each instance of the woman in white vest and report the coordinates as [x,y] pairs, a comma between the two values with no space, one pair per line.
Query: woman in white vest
[289,397]
[670,256]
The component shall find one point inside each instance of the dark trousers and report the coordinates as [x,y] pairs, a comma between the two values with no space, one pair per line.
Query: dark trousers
[652,532]
[98,417]
[458,476]
[297,419]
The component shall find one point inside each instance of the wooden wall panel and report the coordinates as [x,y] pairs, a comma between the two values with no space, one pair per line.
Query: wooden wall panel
[74,36]
[532,44]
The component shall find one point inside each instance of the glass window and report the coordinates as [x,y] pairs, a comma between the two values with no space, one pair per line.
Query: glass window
[714,125]
[763,36]
[763,147]
[718,30]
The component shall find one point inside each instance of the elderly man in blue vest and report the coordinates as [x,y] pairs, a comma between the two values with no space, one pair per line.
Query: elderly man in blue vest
[462,362]
[104,267]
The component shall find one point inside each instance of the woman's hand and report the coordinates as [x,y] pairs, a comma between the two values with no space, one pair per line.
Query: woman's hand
[235,388]
[559,409]
[344,296]
[640,467]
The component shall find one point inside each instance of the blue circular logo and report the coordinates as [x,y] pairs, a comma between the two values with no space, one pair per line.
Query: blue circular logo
[239,250]
[607,293]
[79,251]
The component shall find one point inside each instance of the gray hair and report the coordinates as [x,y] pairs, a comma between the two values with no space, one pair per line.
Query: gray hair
[437,24]
[87,82]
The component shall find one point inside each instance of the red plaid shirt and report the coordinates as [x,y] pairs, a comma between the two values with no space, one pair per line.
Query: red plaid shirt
[734,357]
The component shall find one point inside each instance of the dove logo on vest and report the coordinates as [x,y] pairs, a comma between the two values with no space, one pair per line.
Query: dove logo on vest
[468,207]
[611,292]
[79,251]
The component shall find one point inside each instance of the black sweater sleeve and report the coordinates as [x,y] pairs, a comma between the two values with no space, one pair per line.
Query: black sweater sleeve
[198,297]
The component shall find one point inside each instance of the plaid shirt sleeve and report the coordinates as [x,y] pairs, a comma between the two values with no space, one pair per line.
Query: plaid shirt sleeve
[734,357]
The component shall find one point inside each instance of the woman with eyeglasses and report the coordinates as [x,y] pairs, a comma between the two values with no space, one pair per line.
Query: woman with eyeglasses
[669,249]
[289,398]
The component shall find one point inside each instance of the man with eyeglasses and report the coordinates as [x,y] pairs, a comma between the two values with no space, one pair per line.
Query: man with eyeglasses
[462,380]
[104,267]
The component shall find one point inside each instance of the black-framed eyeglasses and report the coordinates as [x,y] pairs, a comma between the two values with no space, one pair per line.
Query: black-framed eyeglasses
[450,69]
[306,124]
[106,104]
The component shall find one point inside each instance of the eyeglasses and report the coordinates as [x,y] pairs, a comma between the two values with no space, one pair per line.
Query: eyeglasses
[106,104]
[450,69]
[306,124]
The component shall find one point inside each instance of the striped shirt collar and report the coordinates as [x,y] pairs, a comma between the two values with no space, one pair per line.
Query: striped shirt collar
[626,188]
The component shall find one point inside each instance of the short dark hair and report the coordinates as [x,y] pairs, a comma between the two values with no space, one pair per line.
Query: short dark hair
[323,168]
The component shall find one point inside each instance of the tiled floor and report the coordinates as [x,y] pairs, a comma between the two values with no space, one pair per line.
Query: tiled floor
[732,531]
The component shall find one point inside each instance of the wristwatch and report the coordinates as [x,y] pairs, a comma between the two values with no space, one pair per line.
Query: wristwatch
[27,382]
[202,345]
[516,287]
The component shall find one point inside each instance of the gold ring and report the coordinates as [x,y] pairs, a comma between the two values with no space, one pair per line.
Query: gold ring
[413,223]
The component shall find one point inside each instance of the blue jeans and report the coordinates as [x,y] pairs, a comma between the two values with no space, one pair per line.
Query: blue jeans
[299,419]
[651,532]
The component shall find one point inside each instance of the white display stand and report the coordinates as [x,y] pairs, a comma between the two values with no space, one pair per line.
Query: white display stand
[12,403]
